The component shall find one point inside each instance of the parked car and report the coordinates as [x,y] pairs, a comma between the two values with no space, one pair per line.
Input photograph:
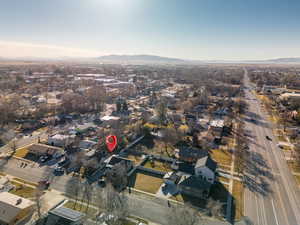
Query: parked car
[59,170]
[45,158]
[64,163]
[58,155]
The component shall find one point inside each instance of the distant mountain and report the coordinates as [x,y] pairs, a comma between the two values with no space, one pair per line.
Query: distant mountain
[285,60]
[140,58]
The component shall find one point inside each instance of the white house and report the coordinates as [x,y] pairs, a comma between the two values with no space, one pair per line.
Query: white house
[205,168]
[59,140]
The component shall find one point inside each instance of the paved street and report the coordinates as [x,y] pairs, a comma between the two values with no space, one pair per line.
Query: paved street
[271,196]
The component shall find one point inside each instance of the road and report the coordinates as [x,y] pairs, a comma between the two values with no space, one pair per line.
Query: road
[271,195]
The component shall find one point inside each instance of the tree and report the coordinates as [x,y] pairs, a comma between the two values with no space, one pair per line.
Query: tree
[170,136]
[73,188]
[161,113]
[114,205]
[87,194]
[183,215]
[124,106]
[117,176]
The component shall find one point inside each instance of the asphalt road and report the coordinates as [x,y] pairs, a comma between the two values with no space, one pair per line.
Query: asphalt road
[272,196]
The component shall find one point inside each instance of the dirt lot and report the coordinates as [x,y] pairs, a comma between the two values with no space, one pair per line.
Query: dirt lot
[147,183]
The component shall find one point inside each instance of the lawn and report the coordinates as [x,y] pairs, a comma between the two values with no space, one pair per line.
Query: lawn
[22,190]
[135,159]
[223,179]
[281,138]
[297,177]
[147,183]
[295,168]
[25,182]
[221,156]
[238,200]
[21,152]
[90,212]
[158,166]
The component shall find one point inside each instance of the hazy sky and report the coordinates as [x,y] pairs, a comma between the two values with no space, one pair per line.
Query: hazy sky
[191,29]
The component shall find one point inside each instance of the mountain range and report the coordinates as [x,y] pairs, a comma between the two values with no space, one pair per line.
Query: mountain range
[152,59]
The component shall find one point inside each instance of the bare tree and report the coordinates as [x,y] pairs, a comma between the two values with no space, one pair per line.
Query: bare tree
[183,215]
[161,113]
[170,136]
[117,176]
[74,188]
[114,205]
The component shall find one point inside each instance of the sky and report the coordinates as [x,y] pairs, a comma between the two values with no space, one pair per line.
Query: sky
[188,29]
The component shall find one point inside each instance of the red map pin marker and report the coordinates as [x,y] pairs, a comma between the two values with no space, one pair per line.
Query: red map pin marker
[111,142]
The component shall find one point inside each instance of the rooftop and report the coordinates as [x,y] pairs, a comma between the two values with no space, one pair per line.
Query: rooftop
[67,213]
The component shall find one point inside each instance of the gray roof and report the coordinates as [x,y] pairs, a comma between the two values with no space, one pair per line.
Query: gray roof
[67,213]
[206,161]
[194,182]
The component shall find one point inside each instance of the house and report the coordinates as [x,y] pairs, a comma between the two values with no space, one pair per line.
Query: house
[14,209]
[269,89]
[64,216]
[114,160]
[205,168]
[194,186]
[217,125]
[60,140]
[42,149]
[189,154]
[216,128]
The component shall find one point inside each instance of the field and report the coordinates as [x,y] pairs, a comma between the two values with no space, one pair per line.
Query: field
[22,190]
[89,211]
[21,152]
[158,166]
[147,183]
[221,156]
